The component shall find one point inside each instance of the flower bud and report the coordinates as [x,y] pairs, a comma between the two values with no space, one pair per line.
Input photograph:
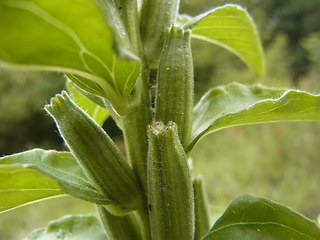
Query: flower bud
[174,98]
[170,194]
[95,152]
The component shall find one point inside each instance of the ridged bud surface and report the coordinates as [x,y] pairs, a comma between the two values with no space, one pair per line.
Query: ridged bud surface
[174,97]
[170,195]
[95,152]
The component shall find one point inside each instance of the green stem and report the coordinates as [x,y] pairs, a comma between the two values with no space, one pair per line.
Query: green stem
[202,217]
[144,217]
[135,124]
[120,227]
[128,10]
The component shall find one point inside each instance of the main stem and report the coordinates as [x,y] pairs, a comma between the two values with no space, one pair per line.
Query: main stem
[135,124]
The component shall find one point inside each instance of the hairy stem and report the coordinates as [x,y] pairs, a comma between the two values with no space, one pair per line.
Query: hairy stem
[135,124]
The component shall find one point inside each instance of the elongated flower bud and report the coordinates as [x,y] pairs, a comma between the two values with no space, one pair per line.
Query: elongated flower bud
[202,220]
[170,194]
[157,17]
[95,152]
[174,98]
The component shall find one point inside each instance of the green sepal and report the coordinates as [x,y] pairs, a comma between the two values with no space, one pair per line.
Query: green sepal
[174,97]
[170,194]
[201,209]
[156,17]
[120,227]
[95,152]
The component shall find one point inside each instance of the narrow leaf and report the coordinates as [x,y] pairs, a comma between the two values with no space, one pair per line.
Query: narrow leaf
[66,36]
[95,111]
[231,27]
[71,228]
[238,104]
[59,166]
[254,218]
[20,186]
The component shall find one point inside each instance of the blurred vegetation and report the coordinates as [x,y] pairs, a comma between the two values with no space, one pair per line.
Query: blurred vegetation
[279,161]
[18,223]
[23,122]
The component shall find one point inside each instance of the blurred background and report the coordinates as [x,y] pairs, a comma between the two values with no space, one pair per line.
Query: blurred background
[279,161]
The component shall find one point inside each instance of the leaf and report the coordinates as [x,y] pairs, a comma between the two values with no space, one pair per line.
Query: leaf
[71,228]
[20,186]
[53,168]
[231,27]
[254,218]
[238,104]
[66,36]
[98,113]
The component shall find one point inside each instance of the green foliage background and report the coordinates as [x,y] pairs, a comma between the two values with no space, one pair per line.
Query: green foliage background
[279,161]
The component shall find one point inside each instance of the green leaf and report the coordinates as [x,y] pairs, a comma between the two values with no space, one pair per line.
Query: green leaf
[254,218]
[231,27]
[71,228]
[56,171]
[98,113]
[238,104]
[66,36]
[20,186]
